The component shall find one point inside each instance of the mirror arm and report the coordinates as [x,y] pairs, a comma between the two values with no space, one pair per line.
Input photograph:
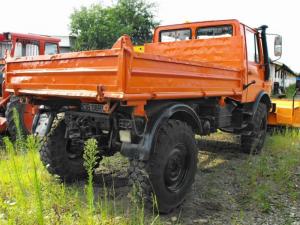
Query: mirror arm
[275,60]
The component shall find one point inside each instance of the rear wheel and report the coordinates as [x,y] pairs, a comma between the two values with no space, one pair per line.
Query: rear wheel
[25,118]
[58,155]
[171,169]
[254,143]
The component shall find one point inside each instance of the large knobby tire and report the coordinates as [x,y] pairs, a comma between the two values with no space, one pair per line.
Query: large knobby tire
[22,110]
[253,144]
[170,171]
[56,157]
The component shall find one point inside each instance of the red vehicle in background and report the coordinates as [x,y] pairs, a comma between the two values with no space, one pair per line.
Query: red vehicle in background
[19,45]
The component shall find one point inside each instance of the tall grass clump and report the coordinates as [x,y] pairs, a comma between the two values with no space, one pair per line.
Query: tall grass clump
[90,161]
[137,206]
[14,170]
[20,142]
[33,146]
[17,151]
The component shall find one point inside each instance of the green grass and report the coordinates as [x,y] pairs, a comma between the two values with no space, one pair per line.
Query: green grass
[272,174]
[290,91]
[29,195]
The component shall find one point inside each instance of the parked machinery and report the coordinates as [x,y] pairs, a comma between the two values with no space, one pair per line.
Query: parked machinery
[20,45]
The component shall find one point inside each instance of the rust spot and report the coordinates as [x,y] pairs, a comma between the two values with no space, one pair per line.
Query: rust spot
[100,92]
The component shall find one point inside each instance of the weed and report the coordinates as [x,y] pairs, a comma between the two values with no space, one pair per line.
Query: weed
[14,169]
[20,142]
[137,206]
[33,146]
[90,161]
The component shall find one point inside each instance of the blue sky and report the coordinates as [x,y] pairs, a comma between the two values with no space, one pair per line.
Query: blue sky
[52,17]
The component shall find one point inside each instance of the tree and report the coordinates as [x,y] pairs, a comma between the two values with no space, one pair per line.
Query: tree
[98,27]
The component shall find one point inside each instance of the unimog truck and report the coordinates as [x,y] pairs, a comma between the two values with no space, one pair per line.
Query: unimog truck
[194,78]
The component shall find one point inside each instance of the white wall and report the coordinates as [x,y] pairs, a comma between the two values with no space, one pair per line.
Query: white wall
[290,79]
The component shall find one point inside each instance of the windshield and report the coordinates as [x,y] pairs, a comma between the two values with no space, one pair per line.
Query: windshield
[3,47]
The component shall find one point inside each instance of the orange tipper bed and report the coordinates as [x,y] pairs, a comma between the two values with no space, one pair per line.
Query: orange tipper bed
[175,70]
[120,73]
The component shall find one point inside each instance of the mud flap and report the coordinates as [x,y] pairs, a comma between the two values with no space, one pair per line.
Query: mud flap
[42,123]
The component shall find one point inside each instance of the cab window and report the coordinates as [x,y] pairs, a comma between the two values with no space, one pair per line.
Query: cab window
[18,49]
[3,47]
[51,49]
[32,50]
[175,35]
[29,49]
[215,32]
[252,46]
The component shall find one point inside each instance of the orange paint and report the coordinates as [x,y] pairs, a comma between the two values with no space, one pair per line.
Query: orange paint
[186,69]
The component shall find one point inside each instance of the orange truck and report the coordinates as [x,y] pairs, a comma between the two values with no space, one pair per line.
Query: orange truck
[194,78]
[18,45]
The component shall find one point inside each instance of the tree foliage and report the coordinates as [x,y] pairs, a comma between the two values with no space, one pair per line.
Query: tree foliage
[98,27]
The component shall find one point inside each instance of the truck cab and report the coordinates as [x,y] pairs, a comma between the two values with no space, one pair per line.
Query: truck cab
[19,45]
[227,43]
[27,44]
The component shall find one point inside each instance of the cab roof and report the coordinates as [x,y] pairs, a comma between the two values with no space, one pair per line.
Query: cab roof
[32,37]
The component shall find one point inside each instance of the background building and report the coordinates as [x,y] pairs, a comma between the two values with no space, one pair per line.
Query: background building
[282,74]
[66,44]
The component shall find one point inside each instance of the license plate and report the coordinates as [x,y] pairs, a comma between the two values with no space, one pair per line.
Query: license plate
[92,107]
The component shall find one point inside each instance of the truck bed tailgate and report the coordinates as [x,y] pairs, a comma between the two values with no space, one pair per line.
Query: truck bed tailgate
[71,74]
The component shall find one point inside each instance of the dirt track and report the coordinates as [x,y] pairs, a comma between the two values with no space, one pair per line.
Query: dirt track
[216,196]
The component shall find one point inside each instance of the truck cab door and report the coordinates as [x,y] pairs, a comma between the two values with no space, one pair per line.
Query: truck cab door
[255,68]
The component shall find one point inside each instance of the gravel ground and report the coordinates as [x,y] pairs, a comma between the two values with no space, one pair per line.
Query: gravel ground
[216,196]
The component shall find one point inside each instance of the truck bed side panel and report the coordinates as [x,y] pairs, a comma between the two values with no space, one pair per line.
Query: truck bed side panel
[177,79]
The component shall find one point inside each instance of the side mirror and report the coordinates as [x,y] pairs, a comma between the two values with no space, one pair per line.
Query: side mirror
[278,46]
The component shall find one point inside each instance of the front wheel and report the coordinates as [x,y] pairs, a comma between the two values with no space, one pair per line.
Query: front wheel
[171,169]
[253,144]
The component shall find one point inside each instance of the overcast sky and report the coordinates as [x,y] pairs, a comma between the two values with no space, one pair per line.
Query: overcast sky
[52,17]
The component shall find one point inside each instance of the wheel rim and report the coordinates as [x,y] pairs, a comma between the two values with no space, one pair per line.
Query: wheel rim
[176,168]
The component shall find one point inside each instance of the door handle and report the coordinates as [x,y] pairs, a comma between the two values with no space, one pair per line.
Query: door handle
[249,84]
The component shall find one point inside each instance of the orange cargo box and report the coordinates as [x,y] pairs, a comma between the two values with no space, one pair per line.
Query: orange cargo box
[120,73]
